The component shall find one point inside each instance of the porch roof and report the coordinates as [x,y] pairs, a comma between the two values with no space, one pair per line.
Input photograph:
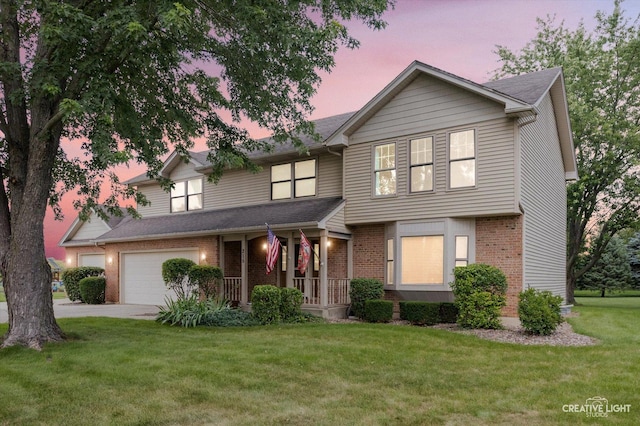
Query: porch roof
[279,215]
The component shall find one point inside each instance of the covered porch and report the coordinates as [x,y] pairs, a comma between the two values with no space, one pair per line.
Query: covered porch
[325,283]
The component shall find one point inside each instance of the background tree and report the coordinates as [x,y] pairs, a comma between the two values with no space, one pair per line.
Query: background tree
[633,248]
[602,77]
[611,272]
[126,81]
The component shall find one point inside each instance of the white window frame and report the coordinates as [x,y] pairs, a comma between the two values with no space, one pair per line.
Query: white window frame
[451,161]
[376,170]
[293,179]
[186,195]
[457,258]
[416,165]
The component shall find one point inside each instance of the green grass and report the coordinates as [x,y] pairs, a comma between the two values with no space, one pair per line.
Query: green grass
[596,293]
[56,295]
[123,372]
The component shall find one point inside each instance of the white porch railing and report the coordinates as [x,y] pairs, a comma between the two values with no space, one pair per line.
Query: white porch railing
[339,291]
[310,288]
[231,288]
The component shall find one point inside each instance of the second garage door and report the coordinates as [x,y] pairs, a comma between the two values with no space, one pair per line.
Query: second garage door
[141,279]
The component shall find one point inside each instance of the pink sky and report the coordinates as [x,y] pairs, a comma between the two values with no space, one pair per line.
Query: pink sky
[458,36]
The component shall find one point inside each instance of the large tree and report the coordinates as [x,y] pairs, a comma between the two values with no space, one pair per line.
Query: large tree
[602,77]
[612,272]
[125,81]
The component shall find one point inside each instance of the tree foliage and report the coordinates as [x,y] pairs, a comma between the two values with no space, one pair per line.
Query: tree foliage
[602,76]
[633,249]
[611,272]
[125,82]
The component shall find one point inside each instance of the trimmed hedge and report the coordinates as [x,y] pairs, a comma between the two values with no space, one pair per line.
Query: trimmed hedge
[480,293]
[448,313]
[92,290]
[420,313]
[265,304]
[539,311]
[290,304]
[377,310]
[206,278]
[175,273]
[361,290]
[71,278]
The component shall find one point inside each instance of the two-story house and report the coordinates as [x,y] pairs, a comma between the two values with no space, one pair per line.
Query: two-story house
[434,172]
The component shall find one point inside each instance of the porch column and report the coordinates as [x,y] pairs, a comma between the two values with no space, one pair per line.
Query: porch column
[244,264]
[291,245]
[350,258]
[324,281]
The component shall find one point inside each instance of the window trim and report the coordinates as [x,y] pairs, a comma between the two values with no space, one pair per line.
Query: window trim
[293,180]
[186,195]
[432,164]
[474,158]
[376,171]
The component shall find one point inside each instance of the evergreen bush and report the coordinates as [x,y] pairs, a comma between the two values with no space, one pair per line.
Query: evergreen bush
[539,311]
[480,293]
[175,273]
[206,278]
[265,304]
[378,310]
[71,278]
[448,313]
[361,290]
[92,290]
[420,313]
[290,304]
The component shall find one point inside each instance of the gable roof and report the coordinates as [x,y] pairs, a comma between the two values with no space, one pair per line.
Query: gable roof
[288,214]
[111,222]
[529,88]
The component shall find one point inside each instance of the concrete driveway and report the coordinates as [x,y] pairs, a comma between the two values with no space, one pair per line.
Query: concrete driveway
[64,308]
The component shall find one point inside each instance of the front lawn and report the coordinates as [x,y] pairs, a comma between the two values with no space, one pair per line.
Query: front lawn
[56,295]
[139,372]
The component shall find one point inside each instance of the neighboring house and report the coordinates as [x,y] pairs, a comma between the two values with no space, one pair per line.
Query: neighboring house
[434,172]
[57,266]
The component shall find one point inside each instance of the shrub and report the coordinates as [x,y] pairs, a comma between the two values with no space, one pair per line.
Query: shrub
[265,304]
[361,290]
[206,278]
[290,303]
[189,311]
[72,276]
[377,310]
[92,290]
[229,317]
[420,313]
[448,313]
[175,274]
[479,292]
[539,311]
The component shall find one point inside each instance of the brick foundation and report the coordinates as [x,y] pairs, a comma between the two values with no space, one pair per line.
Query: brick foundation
[499,243]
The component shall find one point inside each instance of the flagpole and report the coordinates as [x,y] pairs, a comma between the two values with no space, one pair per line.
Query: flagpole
[311,248]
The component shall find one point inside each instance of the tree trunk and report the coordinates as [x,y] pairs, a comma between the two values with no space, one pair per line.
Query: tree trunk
[27,285]
[602,292]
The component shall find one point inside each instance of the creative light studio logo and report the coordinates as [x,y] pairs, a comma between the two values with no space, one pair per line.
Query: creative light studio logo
[596,406]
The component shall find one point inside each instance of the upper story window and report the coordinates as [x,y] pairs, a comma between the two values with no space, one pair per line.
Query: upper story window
[421,164]
[385,169]
[186,195]
[297,179]
[462,159]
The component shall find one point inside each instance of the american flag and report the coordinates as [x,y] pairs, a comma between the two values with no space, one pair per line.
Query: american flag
[273,250]
[304,254]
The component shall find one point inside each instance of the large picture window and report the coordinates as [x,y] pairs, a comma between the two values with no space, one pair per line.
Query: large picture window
[462,159]
[421,164]
[423,260]
[385,169]
[186,195]
[295,180]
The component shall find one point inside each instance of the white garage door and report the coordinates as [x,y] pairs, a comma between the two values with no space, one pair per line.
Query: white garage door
[91,260]
[141,279]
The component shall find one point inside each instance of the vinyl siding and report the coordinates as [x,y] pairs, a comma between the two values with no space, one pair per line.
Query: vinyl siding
[183,171]
[426,103]
[495,191]
[336,223]
[545,203]
[92,228]
[242,188]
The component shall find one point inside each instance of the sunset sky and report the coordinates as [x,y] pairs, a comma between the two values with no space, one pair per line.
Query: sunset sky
[458,36]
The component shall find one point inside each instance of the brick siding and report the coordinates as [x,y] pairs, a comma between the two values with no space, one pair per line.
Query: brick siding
[368,251]
[499,243]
